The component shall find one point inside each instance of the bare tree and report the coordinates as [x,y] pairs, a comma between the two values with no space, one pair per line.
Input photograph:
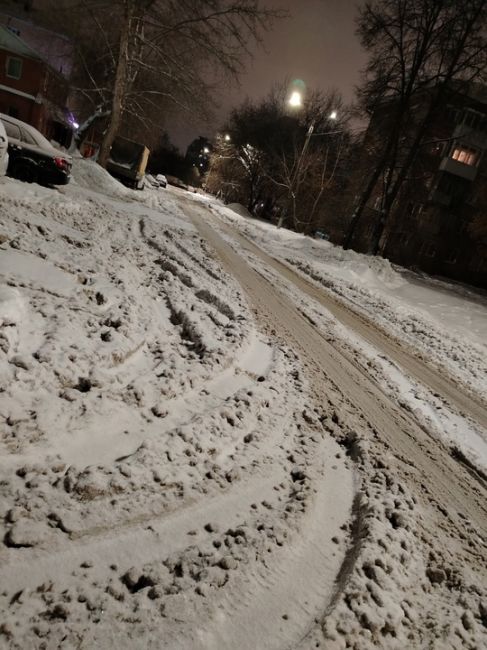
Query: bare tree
[137,56]
[415,46]
[285,159]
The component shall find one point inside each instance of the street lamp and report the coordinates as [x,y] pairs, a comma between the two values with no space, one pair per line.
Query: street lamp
[227,137]
[296,99]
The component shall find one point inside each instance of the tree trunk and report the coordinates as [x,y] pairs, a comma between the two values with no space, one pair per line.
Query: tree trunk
[391,195]
[119,86]
[367,192]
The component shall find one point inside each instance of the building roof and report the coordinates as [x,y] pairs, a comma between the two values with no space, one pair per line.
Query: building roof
[11,42]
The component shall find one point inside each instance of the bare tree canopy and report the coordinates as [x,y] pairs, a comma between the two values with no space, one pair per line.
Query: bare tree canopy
[136,58]
[414,46]
[270,156]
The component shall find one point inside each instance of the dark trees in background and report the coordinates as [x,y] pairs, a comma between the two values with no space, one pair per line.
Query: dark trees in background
[198,156]
[415,46]
[165,158]
[138,58]
[271,163]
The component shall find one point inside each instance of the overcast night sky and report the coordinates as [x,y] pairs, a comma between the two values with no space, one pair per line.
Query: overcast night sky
[316,43]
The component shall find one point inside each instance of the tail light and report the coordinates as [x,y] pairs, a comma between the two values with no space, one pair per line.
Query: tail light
[61,163]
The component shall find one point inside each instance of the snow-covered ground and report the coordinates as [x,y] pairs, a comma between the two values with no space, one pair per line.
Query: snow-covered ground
[441,321]
[166,478]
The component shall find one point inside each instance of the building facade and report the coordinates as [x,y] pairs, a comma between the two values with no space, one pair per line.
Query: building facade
[32,90]
[439,220]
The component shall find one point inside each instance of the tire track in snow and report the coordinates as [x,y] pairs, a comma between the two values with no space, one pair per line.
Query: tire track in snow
[438,381]
[457,490]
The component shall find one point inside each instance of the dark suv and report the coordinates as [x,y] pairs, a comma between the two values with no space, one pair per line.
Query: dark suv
[32,158]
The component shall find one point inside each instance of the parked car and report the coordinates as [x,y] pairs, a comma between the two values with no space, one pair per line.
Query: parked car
[162,180]
[32,158]
[3,150]
[321,234]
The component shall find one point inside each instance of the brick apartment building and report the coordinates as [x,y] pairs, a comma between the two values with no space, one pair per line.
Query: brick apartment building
[31,89]
[439,222]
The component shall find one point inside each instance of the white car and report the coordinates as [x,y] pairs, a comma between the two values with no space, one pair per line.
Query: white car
[151,182]
[162,180]
[3,150]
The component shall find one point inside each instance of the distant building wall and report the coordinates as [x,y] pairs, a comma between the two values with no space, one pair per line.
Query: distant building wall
[56,49]
[439,221]
[38,96]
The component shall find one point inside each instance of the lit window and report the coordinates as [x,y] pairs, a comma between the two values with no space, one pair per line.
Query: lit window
[14,68]
[465,155]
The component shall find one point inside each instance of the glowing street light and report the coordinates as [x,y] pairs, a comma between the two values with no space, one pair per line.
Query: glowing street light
[296,99]
[206,150]
[333,115]
[227,137]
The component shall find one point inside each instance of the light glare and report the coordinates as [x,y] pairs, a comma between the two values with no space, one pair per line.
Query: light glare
[295,99]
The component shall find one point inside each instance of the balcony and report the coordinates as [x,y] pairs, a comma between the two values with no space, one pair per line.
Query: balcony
[468,172]
[471,136]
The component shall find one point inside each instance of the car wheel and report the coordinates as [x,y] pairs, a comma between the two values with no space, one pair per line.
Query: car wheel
[25,171]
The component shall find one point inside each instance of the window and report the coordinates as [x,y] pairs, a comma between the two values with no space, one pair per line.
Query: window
[474,120]
[455,187]
[465,155]
[14,67]
[12,130]
[453,114]
[27,138]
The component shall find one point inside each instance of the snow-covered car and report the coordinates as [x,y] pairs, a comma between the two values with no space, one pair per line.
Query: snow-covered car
[32,158]
[162,180]
[3,150]
[321,234]
[151,182]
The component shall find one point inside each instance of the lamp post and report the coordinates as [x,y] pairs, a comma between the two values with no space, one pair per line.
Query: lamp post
[296,102]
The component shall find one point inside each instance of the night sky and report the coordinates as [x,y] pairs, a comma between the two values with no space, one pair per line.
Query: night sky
[316,43]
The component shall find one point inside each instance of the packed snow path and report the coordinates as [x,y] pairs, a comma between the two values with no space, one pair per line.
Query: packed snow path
[458,488]
[468,404]
[181,471]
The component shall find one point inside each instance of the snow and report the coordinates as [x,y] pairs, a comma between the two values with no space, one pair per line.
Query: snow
[459,308]
[31,269]
[167,477]
[443,320]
